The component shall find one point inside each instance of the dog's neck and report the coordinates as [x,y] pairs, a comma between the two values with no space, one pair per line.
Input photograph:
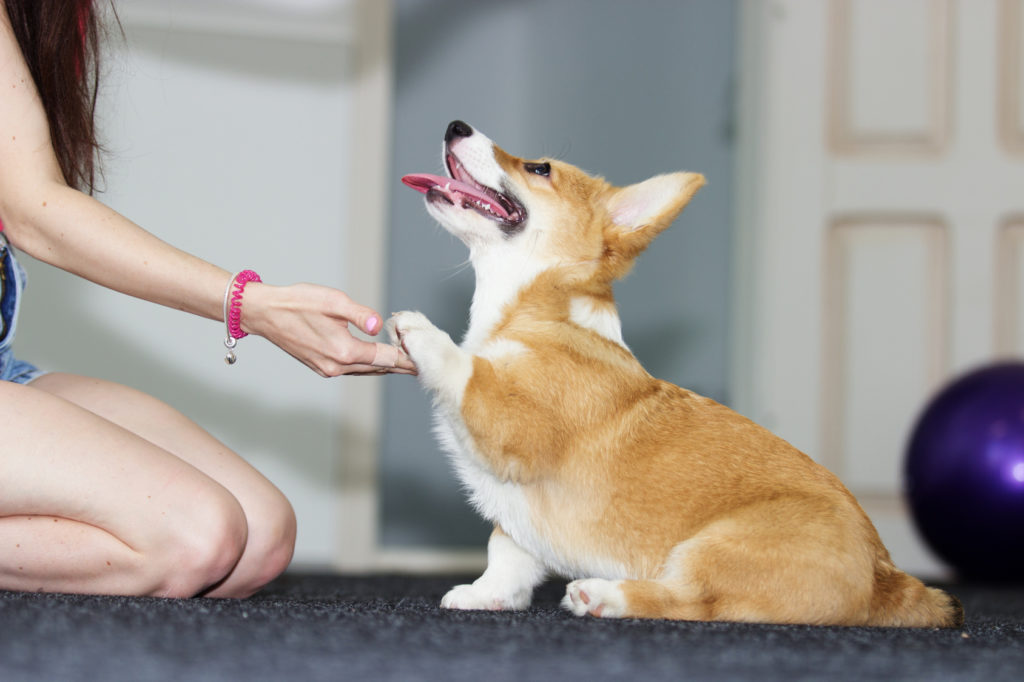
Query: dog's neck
[502,277]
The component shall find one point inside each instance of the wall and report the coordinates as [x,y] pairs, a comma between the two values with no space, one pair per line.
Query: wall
[625,90]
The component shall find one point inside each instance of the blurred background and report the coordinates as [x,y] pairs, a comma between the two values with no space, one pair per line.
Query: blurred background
[857,244]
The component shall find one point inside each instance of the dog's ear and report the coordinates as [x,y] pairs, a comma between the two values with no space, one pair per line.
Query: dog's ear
[653,203]
[640,212]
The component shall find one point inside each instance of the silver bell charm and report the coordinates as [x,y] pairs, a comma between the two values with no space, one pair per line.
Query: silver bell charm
[230,357]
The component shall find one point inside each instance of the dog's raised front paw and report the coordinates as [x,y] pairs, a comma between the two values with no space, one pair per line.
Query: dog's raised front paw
[417,335]
[399,325]
[594,596]
[442,365]
[475,598]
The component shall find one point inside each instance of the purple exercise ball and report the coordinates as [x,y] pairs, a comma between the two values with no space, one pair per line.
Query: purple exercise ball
[965,473]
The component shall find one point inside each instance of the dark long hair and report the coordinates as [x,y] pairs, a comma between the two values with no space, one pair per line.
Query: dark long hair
[59,41]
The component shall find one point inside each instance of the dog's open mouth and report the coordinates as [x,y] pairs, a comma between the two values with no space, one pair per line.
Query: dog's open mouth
[461,189]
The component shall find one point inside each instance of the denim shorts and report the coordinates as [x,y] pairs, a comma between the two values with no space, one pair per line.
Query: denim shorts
[12,283]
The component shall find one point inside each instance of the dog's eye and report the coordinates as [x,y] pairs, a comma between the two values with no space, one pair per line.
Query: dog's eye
[538,168]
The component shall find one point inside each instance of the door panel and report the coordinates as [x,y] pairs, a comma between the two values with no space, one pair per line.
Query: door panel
[890,76]
[865,319]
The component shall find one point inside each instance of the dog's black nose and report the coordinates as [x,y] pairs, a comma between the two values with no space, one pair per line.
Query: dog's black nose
[457,129]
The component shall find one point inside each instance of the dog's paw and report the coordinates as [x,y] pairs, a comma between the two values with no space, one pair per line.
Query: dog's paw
[391,329]
[417,335]
[475,598]
[401,325]
[596,597]
[442,365]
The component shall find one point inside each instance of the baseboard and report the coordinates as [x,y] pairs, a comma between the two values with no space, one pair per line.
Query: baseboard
[422,561]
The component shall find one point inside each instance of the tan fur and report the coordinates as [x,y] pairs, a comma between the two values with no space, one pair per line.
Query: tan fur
[710,516]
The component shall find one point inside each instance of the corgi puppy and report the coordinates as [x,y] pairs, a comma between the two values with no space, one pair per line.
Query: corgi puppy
[655,501]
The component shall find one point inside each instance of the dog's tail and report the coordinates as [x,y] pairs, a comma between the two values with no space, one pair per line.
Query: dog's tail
[900,600]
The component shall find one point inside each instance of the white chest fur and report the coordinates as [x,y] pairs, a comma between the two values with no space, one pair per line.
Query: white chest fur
[501,502]
[506,504]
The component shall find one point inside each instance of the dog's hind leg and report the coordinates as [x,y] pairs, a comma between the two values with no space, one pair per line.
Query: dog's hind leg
[671,595]
[635,599]
[508,582]
[786,560]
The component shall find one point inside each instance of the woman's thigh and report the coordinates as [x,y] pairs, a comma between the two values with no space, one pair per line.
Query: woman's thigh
[269,516]
[61,461]
[165,427]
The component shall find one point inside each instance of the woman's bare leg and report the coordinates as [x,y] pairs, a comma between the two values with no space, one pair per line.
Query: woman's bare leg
[132,482]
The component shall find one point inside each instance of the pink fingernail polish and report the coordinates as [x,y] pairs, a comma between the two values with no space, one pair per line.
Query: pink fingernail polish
[372,323]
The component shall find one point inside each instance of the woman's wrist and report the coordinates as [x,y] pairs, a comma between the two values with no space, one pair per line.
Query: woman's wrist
[255,307]
[234,297]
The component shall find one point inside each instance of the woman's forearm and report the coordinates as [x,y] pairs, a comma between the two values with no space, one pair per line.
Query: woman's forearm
[75,232]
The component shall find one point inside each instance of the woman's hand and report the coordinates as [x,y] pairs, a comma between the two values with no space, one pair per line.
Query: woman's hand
[311,323]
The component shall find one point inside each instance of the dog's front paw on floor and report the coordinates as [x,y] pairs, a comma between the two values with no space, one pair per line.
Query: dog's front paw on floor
[595,597]
[475,598]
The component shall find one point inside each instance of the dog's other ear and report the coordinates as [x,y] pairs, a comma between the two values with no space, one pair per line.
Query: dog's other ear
[640,212]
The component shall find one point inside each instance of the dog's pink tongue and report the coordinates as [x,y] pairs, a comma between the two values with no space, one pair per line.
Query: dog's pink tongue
[422,182]
[453,189]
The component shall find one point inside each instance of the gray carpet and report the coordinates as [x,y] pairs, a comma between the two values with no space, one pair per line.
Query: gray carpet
[328,627]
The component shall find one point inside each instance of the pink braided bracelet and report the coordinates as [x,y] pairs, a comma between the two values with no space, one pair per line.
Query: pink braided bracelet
[233,311]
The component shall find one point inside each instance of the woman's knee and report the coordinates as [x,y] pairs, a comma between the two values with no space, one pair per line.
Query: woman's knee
[282,531]
[272,530]
[202,549]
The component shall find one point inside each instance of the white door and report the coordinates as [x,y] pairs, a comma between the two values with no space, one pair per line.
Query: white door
[880,224]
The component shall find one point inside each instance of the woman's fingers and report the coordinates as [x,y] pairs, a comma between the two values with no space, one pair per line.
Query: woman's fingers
[367,319]
[392,357]
[366,357]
